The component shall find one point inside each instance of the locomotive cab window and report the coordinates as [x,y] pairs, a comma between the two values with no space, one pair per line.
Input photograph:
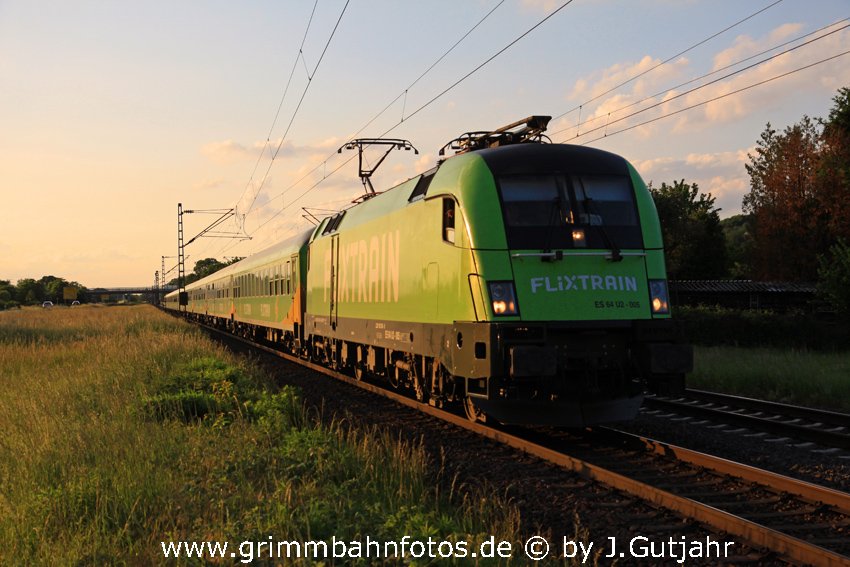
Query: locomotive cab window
[605,200]
[449,220]
[550,211]
[422,185]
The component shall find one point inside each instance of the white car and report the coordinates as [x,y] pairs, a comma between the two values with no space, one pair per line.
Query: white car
[47,304]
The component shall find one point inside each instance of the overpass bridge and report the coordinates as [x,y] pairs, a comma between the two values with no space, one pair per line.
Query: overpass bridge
[155,294]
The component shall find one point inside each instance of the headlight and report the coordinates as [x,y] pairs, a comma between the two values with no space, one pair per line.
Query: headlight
[503,298]
[658,297]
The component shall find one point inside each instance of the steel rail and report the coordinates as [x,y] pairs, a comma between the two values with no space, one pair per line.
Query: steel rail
[802,412]
[814,493]
[753,533]
[770,423]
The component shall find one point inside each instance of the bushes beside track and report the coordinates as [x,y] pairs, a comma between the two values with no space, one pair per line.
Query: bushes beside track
[718,326]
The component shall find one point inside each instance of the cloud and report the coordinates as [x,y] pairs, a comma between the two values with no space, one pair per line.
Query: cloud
[732,105]
[208,184]
[229,151]
[545,6]
[745,46]
[604,102]
[605,112]
[721,173]
[600,82]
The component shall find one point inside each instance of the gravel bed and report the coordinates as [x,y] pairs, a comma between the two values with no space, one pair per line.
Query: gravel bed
[792,458]
[549,499]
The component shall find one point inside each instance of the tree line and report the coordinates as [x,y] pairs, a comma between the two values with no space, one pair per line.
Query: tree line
[204,268]
[29,291]
[795,224]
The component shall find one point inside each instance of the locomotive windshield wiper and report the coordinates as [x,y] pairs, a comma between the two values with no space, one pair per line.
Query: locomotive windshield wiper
[590,207]
[551,226]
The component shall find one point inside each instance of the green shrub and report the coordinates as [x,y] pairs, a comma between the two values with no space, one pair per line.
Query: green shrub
[718,326]
[834,276]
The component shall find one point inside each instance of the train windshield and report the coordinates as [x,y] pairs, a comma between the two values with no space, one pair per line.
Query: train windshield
[552,211]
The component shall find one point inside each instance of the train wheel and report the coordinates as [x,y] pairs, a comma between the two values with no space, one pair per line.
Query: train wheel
[393,377]
[332,355]
[315,354]
[358,364]
[419,390]
[473,413]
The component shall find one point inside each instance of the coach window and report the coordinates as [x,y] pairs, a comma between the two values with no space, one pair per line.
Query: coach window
[449,220]
[287,277]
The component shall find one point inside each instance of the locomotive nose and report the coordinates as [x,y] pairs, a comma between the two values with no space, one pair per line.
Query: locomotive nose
[582,286]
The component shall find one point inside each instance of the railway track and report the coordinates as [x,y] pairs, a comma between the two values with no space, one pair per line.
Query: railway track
[831,430]
[788,519]
[802,521]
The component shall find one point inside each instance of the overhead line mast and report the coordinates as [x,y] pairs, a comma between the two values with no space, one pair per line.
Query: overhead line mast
[224,214]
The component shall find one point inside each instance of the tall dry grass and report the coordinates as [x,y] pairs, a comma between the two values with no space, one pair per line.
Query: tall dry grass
[123,427]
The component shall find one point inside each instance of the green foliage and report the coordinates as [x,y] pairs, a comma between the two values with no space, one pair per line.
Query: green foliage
[712,326]
[694,243]
[791,376]
[8,294]
[206,267]
[737,230]
[29,291]
[839,114]
[834,276]
[204,389]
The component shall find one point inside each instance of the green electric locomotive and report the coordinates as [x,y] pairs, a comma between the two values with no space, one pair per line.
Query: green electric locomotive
[524,279]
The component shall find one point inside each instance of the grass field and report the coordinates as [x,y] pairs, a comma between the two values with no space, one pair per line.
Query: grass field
[123,428]
[806,378]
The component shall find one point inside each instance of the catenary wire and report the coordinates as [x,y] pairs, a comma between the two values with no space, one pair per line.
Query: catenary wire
[717,80]
[476,69]
[706,75]
[310,77]
[671,58]
[297,108]
[719,97]
[422,107]
[277,113]
[392,102]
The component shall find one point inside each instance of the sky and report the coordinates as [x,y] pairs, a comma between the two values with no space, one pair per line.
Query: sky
[112,113]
